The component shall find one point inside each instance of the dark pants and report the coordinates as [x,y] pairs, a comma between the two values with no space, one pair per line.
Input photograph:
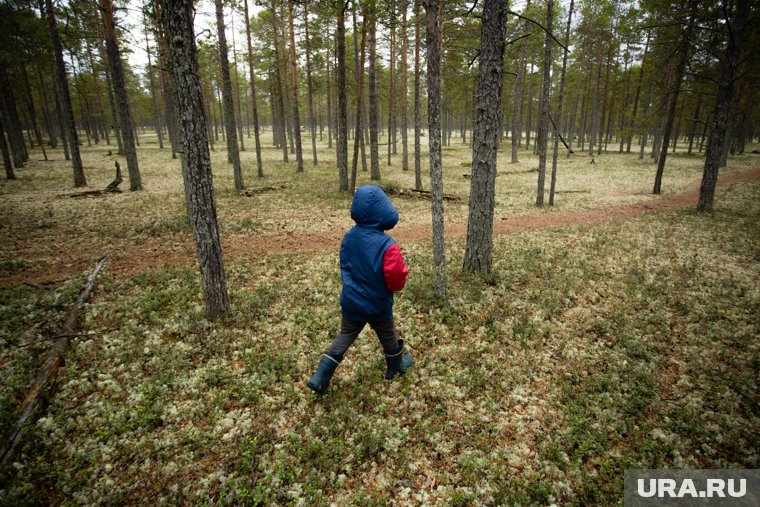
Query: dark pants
[350,329]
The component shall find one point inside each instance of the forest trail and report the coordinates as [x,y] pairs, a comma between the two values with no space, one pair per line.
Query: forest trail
[155,253]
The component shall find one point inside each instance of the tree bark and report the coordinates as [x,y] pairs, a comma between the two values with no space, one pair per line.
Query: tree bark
[120,94]
[294,85]
[359,136]
[479,245]
[729,66]
[417,133]
[256,138]
[152,84]
[310,89]
[676,88]
[238,102]
[543,125]
[560,101]
[68,113]
[374,155]
[7,163]
[404,91]
[518,94]
[342,141]
[278,84]
[12,123]
[391,83]
[177,17]
[433,22]
[233,155]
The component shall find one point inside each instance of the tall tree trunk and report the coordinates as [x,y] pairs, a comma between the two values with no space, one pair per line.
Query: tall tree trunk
[695,121]
[32,112]
[152,84]
[729,65]
[68,113]
[294,77]
[112,102]
[543,126]
[479,247]
[229,109]
[404,91]
[278,83]
[12,123]
[238,102]
[330,115]
[601,125]
[120,93]
[636,96]
[374,155]
[623,124]
[359,137]
[433,21]
[46,113]
[7,163]
[172,125]
[560,101]
[252,76]
[676,88]
[594,124]
[61,121]
[310,90]
[518,93]
[417,133]
[342,144]
[178,23]
[391,83]
[359,90]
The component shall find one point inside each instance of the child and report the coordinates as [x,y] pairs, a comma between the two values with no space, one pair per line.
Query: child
[371,268]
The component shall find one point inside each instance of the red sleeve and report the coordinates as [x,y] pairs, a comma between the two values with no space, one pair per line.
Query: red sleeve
[394,269]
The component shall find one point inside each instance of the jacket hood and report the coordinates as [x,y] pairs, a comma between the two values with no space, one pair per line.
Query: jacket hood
[371,207]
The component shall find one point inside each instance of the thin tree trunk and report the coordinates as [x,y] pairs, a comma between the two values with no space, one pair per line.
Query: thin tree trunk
[391,82]
[12,123]
[433,42]
[543,126]
[417,126]
[120,93]
[7,163]
[278,83]
[233,155]
[359,137]
[152,84]
[676,88]
[256,138]
[310,89]
[404,91]
[46,113]
[695,121]
[68,113]
[294,77]
[595,107]
[374,155]
[32,112]
[518,93]
[165,78]
[636,98]
[560,101]
[479,246]
[329,104]
[239,117]
[342,141]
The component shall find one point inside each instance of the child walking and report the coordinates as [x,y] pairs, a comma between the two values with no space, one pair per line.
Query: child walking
[372,269]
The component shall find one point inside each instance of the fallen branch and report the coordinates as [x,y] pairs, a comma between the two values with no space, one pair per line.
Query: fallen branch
[412,192]
[250,192]
[49,371]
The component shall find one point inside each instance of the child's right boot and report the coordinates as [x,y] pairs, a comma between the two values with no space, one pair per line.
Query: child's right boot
[397,361]
[320,381]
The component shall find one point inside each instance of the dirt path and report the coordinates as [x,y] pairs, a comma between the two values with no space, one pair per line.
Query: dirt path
[155,253]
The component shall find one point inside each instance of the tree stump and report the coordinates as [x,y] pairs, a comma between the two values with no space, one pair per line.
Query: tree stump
[113,187]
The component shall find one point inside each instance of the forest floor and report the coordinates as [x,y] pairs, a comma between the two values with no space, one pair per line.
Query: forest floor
[618,330]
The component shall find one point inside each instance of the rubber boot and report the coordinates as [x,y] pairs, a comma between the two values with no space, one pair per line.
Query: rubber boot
[398,362]
[320,381]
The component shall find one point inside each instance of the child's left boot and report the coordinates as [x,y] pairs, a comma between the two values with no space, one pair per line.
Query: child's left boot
[397,361]
[320,381]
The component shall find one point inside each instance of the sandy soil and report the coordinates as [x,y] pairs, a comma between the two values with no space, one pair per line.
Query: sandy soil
[156,252]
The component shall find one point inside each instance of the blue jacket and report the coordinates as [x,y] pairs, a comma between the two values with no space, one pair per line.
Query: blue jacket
[365,297]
